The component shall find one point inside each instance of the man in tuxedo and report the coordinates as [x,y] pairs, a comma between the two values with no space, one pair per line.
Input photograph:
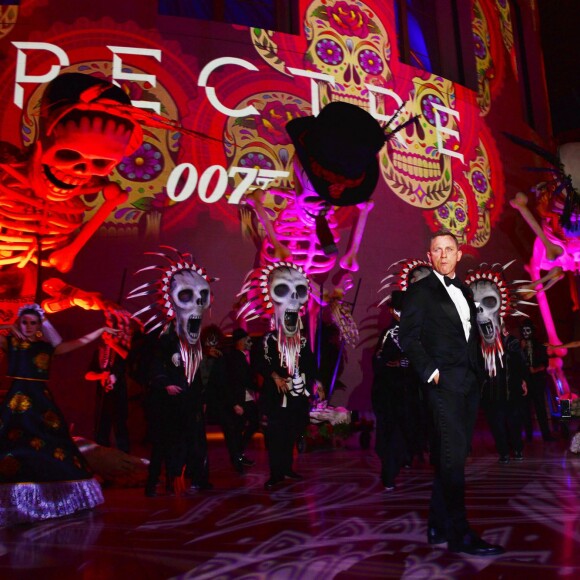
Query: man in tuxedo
[438,333]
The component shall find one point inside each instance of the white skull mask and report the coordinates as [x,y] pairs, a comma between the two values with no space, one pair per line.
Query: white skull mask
[289,293]
[488,298]
[190,297]
[414,167]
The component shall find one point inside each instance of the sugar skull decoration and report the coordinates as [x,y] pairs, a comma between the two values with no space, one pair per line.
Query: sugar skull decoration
[456,215]
[413,166]
[495,298]
[485,178]
[279,291]
[347,41]
[260,141]
[181,294]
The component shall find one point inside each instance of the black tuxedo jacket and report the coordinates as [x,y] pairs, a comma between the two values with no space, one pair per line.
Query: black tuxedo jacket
[432,336]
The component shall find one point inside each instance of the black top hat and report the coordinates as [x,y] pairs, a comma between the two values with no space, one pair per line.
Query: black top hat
[338,150]
[238,334]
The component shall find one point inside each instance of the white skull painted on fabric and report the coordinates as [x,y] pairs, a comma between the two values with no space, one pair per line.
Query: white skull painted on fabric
[190,297]
[289,291]
[415,169]
[347,41]
[260,141]
[488,299]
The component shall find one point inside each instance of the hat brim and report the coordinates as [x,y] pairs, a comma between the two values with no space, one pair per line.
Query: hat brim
[297,129]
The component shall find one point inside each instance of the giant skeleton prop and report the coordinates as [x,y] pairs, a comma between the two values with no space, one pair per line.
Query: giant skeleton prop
[181,294]
[86,127]
[335,165]
[495,298]
[280,291]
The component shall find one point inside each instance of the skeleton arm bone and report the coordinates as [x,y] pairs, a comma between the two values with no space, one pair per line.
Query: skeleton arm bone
[349,260]
[63,258]
[255,200]
[520,202]
[546,282]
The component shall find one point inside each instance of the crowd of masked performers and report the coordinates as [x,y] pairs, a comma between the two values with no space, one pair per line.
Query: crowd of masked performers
[241,387]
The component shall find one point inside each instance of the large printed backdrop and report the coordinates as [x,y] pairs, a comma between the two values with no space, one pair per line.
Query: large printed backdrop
[200,73]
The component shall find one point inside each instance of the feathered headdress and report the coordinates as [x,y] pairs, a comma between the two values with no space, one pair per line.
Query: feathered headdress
[403,273]
[256,291]
[259,304]
[158,288]
[510,303]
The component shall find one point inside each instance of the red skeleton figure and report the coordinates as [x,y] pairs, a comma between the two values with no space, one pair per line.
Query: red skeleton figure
[86,129]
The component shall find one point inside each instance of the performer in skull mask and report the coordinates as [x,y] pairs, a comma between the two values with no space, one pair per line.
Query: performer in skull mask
[281,290]
[505,385]
[176,390]
[536,355]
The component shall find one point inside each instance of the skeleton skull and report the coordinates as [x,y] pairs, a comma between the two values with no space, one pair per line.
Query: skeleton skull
[190,297]
[347,41]
[488,298]
[289,293]
[83,145]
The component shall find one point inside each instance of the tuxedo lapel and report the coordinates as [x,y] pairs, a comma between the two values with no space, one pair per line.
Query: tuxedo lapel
[442,297]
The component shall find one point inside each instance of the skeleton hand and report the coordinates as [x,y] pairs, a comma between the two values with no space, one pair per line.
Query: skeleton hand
[173,390]
[298,384]
[65,296]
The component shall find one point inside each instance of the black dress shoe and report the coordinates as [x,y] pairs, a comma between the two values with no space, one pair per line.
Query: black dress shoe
[472,544]
[246,461]
[518,456]
[293,475]
[273,482]
[435,535]
[504,459]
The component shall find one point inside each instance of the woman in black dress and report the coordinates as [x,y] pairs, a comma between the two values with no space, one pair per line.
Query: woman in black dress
[42,472]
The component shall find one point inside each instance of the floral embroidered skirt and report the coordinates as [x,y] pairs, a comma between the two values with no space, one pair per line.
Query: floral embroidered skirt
[42,472]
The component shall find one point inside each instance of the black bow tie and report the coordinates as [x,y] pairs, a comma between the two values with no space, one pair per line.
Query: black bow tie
[452,281]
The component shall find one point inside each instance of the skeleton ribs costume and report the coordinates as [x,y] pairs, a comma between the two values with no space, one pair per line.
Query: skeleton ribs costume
[281,291]
[176,391]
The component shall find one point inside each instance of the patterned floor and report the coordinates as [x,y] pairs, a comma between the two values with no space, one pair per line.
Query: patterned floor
[337,524]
